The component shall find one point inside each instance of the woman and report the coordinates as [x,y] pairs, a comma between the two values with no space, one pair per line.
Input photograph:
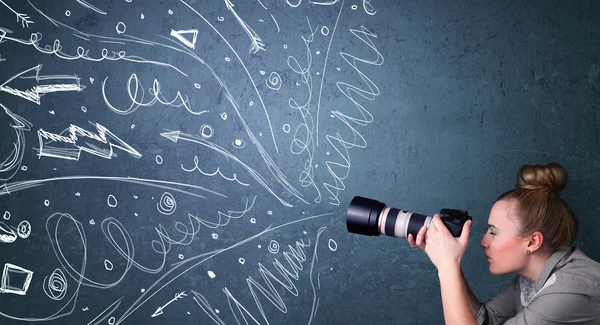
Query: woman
[531,230]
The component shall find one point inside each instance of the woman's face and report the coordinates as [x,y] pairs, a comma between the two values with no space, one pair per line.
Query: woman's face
[504,249]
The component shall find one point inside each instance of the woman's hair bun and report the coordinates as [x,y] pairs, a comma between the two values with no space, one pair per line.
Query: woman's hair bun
[552,177]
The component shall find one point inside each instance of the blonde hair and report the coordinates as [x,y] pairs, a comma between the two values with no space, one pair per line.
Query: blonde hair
[540,207]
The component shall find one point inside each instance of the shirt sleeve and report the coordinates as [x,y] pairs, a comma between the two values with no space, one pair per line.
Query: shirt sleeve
[557,308]
[500,308]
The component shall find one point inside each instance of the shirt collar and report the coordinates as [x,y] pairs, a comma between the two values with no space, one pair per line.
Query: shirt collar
[556,261]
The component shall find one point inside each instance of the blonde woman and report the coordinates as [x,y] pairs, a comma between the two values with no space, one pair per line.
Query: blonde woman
[530,233]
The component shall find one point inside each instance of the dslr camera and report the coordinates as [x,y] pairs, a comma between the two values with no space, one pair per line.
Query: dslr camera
[373,218]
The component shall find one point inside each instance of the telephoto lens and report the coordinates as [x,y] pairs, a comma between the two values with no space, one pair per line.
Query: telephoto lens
[373,218]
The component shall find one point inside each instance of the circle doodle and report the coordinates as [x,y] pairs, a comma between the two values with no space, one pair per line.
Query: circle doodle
[111,201]
[108,265]
[24,229]
[167,204]
[121,28]
[239,143]
[332,245]
[206,131]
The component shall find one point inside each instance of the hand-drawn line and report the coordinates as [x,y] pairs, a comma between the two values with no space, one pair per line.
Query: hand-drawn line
[303,141]
[104,136]
[293,5]
[196,223]
[154,91]
[368,7]
[262,5]
[180,35]
[21,185]
[324,3]
[79,36]
[218,171]
[87,5]
[205,305]
[341,145]
[256,43]
[107,312]
[177,135]
[230,97]
[167,204]
[325,69]
[7,235]
[56,286]
[23,17]
[276,24]
[12,164]
[159,310]
[295,257]
[34,93]
[110,42]
[316,299]
[1,58]
[204,257]
[82,53]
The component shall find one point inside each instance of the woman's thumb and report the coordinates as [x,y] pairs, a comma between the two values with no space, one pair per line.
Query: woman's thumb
[466,231]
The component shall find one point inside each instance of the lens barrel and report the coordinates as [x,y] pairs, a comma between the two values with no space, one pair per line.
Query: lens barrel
[373,218]
[363,215]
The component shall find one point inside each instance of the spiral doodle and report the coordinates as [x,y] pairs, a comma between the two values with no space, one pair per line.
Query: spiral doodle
[274,81]
[167,204]
[56,285]
[273,247]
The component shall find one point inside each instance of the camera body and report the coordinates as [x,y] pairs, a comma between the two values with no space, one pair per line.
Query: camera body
[372,218]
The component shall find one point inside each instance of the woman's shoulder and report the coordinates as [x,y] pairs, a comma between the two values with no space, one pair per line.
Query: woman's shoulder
[579,273]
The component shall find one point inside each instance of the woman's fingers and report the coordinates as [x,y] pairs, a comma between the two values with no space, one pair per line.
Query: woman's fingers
[421,237]
[411,241]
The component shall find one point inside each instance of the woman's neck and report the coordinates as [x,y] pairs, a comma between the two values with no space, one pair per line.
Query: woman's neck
[534,265]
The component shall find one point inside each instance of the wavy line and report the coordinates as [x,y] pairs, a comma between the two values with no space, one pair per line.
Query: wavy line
[341,145]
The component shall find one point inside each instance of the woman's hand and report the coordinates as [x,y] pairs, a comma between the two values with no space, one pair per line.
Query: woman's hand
[443,249]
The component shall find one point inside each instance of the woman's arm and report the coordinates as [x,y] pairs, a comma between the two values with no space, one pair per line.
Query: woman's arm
[456,297]
[474,303]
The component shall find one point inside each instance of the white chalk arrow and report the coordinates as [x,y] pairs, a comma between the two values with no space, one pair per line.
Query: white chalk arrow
[43,84]
[159,310]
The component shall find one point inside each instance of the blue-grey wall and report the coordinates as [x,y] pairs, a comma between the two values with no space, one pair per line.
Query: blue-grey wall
[186,162]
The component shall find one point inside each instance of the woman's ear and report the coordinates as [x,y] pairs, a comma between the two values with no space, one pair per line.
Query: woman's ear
[535,241]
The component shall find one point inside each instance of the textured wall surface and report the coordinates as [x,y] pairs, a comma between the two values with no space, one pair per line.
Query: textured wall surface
[191,162]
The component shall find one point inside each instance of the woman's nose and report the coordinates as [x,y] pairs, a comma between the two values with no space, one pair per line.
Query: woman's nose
[483,242]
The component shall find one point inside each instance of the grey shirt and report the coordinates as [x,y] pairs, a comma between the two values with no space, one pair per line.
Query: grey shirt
[567,291]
